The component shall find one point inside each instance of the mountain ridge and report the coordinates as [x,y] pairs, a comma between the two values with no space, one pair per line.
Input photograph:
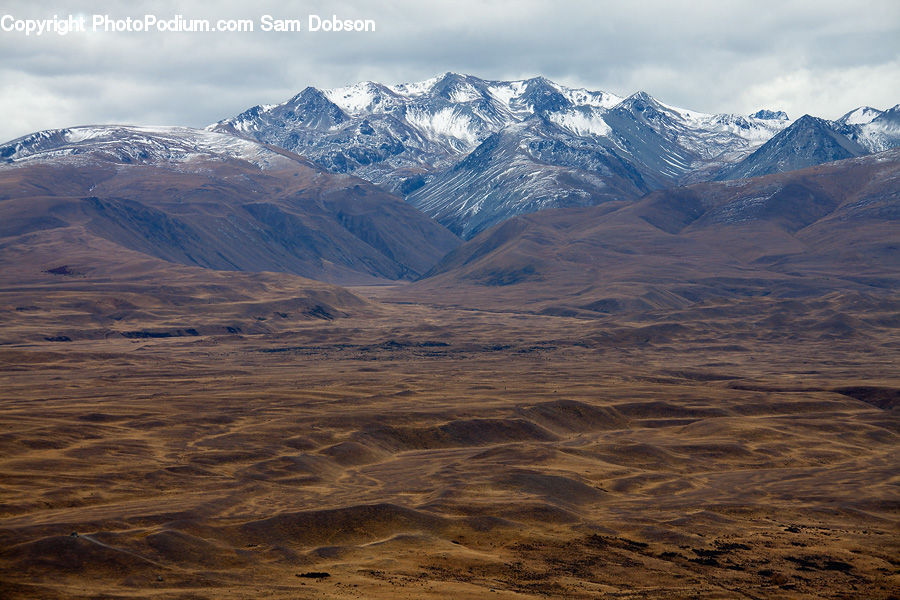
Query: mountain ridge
[823,229]
[808,141]
[213,200]
[415,139]
[471,152]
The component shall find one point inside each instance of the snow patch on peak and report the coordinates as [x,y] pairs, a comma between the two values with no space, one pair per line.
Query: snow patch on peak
[464,92]
[445,123]
[585,97]
[418,88]
[80,134]
[875,130]
[689,117]
[505,92]
[354,99]
[582,123]
[861,116]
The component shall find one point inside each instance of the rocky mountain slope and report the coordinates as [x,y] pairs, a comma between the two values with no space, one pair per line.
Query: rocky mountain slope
[548,145]
[826,229]
[472,152]
[808,141]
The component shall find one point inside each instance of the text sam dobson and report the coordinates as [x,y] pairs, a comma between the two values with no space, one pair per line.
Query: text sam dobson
[179,24]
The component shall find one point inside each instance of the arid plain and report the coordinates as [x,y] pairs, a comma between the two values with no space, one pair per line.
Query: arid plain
[693,395]
[257,436]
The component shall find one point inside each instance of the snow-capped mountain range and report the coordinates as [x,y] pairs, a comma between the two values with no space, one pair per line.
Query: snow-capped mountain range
[388,133]
[472,152]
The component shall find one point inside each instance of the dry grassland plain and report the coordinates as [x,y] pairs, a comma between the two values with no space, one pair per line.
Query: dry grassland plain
[288,443]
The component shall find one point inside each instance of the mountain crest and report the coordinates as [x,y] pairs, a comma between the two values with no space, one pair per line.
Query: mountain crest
[808,141]
[860,116]
[554,145]
[124,144]
[543,97]
[770,115]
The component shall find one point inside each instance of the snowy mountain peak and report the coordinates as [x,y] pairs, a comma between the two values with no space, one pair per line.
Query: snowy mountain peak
[860,116]
[451,77]
[416,89]
[542,96]
[807,120]
[770,115]
[308,94]
[639,99]
[875,130]
[458,89]
[582,121]
[584,97]
[361,98]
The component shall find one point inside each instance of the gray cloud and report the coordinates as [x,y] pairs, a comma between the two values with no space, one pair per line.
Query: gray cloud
[823,57]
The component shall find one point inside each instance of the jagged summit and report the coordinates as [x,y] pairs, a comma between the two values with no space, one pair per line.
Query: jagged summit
[778,115]
[641,98]
[873,129]
[860,116]
[472,152]
[565,145]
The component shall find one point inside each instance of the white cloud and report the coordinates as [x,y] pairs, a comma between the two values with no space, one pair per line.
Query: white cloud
[827,93]
[29,105]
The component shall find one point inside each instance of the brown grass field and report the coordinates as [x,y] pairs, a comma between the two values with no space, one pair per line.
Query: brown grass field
[412,451]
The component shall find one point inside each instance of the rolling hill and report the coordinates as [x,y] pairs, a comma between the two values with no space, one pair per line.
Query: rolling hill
[212,200]
[830,228]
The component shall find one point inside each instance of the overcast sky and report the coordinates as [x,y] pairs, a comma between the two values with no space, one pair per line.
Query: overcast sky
[820,57]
